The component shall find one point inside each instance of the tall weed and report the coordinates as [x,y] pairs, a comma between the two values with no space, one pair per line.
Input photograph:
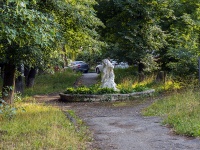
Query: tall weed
[181,111]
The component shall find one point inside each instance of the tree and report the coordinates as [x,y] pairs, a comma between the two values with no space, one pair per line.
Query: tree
[184,43]
[79,28]
[168,30]
[26,34]
[34,32]
[132,29]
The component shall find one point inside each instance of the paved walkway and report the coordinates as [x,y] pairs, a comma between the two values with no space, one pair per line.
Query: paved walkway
[120,125]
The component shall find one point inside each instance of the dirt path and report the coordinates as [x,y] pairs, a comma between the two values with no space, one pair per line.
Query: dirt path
[120,126]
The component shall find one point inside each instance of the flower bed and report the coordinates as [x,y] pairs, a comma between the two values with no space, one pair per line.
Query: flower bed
[103,97]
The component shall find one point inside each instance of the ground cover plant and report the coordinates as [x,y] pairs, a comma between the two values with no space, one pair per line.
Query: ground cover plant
[89,90]
[98,90]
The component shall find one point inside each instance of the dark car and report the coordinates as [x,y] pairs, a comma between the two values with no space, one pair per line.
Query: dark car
[79,66]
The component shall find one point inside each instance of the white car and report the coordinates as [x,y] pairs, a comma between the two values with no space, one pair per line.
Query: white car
[99,67]
[122,65]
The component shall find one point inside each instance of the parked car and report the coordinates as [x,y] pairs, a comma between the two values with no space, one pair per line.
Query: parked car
[122,65]
[99,67]
[79,66]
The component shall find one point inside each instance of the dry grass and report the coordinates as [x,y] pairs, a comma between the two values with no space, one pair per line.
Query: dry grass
[40,127]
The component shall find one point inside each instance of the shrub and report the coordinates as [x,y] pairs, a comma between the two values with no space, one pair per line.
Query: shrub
[6,110]
[9,111]
[140,88]
[89,90]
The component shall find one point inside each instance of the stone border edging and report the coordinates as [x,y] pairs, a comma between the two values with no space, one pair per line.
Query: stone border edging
[104,97]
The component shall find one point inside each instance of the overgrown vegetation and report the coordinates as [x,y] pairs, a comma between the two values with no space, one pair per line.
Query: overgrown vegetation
[40,127]
[50,83]
[128,81]
[180,111]
[131,31]
[29,125]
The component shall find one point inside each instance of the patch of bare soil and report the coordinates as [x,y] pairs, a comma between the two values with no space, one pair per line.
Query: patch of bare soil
[120,125]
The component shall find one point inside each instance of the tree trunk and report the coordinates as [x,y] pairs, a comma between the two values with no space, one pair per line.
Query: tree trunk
[64,57]
[161,76]
[26,72]
[19,82]
[141,77]
[141,71]
[2,70]
[31,77]
[8,83]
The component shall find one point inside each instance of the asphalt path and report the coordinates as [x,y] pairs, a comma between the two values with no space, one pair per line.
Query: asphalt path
[88,79]
[122,127]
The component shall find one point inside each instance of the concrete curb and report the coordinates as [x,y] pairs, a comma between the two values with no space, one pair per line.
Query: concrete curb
[104,97]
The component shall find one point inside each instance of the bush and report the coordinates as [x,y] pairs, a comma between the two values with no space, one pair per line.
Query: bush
[89,90]
[6,110]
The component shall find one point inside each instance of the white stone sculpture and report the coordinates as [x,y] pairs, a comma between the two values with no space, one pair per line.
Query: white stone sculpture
[108,75]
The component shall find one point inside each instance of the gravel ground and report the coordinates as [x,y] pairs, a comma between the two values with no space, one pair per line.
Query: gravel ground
[120,125]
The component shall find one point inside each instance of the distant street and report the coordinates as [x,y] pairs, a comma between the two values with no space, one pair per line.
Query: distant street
[89,78]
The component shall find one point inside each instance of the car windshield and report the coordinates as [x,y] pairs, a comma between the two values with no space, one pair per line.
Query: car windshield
[78,62]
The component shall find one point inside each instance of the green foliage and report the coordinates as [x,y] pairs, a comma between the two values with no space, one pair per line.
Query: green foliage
[129,73]
[126,90]
[50,83]
[6,90]
[127,82]
[26,32]
[132,29]
[140,88]
[35,32]
[105,91]
[79,28]
[150,63]
[89,90]
[183,42]
[167,30]
[6,111]
[180,111]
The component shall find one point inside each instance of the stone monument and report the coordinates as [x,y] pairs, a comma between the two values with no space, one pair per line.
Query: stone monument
[108,75]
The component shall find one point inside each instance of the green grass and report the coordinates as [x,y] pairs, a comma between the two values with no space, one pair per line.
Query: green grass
[41,127]
[180,110]
[125,74]
[50,83]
